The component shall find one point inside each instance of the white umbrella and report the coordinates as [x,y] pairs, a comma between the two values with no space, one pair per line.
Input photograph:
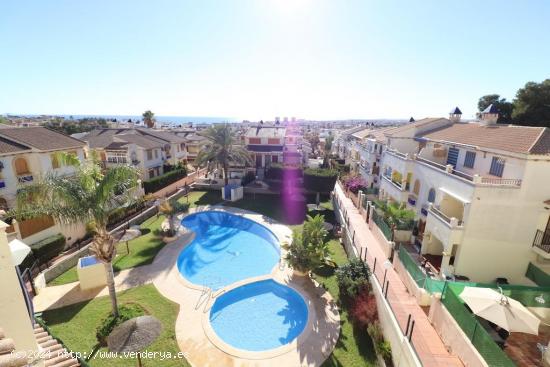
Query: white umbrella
[19,251]
[505,312]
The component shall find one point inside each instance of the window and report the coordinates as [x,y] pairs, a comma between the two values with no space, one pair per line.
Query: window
[274,159]
[452,157]
[55,161]
[149,154]
[431,195]
[156,153]
[273,141]
[497,166]
[21,166]
[254,141]
[416,187]
[151,172]
[469,159]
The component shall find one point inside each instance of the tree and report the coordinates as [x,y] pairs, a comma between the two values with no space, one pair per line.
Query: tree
[149,119]
[170,209]
[309,248]
[222,148]
[504,107]
[532,104]
[87,196]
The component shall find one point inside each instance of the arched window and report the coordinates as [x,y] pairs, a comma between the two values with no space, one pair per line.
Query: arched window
[416,187]
[21,166]
[431,195]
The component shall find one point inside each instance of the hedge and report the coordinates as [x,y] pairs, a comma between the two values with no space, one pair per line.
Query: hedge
[276,172]
[48,248]
[160,182]
[320,179]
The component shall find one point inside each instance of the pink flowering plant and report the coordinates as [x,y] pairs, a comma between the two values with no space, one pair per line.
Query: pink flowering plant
[355,183]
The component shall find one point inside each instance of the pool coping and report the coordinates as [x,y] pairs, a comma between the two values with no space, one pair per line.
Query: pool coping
[195,335]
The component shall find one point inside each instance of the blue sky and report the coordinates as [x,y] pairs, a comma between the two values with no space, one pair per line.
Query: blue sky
[263,58]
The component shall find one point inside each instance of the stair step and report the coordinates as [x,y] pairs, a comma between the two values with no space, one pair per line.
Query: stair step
[66,363]
[40,334]
[43,339]
[50,343]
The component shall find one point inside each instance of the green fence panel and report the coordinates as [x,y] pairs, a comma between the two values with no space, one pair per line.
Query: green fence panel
[489,350]
[381,223]
[537,275]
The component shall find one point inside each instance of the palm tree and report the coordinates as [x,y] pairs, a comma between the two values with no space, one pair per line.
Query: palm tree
[149,118]
[222,148]
[87,196]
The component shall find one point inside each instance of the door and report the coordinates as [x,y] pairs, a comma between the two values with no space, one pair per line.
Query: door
[452,157]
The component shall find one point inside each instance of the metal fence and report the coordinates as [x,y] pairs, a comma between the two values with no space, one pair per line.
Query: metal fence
[482,341]
[381,223]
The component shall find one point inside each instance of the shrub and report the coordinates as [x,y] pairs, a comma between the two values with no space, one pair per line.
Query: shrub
[363,310]
[125,312]
[382,347]
[355,183]
[353,278]
[159,182]
[48,248]
[248,178]
[309,248]
[320,179]
[278,171]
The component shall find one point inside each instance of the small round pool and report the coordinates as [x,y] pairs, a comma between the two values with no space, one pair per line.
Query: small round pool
[227,248]
[259,316]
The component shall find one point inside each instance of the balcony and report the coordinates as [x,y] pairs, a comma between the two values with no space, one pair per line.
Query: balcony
[448,230]
[541,243]
[25,178]
[393,189]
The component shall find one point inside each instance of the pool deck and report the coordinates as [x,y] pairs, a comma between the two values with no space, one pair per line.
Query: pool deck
[194,334]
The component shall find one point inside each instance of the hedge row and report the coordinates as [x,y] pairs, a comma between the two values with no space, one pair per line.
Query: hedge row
[279,172]
[160,182]
[44,251]
[320,179]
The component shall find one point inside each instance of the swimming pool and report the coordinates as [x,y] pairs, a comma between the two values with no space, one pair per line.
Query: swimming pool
[227,248]
[259,316]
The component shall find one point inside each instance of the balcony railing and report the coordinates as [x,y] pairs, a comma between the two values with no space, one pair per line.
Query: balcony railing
[542,240]
[438,213]
[24,178]
[399,186]
[397,154]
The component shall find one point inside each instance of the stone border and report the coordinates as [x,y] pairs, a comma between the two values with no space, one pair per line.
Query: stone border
[198,340]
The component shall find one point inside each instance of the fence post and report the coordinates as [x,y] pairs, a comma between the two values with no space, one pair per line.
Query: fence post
[411,332]
[374,268]
[408,324]
[387,286]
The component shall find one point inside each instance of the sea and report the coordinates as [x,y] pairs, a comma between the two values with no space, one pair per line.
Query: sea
[172,120]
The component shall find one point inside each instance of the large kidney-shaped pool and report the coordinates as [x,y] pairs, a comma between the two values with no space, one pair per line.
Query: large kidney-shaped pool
[259,316]
[227,248]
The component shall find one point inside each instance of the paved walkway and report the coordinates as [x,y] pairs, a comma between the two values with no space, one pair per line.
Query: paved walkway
[425,340]
[194,334]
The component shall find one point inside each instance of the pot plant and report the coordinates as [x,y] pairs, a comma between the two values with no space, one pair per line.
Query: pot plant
[309,248]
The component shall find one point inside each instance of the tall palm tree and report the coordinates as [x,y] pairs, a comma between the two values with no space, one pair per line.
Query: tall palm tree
[222,148]
[87,196]
[149,118]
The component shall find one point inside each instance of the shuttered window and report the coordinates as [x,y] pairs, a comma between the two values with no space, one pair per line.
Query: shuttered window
[497,166]
[469,159]
[452,157]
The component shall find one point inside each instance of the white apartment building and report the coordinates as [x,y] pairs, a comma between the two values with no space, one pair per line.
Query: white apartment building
[26,154]
[265,143]
[480,192]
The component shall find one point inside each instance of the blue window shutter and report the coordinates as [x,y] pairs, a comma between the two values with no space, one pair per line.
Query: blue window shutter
[452,157]
[469,159]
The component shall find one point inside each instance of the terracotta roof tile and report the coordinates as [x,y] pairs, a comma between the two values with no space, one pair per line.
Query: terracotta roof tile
[413,125]
[40,138]
[510,138]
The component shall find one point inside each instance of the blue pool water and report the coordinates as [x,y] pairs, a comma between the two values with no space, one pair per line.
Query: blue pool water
[227,248]
[259,316]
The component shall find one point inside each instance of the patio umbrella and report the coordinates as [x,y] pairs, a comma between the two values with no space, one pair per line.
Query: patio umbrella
[505,312]
[134,335]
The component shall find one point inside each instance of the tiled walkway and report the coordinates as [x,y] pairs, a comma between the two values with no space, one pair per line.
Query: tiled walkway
[428,345]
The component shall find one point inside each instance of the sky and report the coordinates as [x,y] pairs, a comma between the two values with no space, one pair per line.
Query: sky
[257,59]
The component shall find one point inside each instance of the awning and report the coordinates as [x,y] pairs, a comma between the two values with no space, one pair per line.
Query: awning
[457,197]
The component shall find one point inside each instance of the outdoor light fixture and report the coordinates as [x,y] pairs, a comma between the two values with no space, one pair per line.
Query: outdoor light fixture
[540,299]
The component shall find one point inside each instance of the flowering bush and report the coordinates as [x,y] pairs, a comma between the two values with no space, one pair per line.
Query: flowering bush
[355,183]
[363,309]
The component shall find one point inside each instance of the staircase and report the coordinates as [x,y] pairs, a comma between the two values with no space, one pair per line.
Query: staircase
[55,354]
[8,355]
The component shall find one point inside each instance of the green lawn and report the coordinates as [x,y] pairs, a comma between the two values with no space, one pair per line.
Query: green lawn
[75,325]
[143,250]
[354,347]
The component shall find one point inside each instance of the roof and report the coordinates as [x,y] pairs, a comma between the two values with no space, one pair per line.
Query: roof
[266,132]
[490,109]
[164,135]
[8,146]
[456,111]
[414,125]
[380,134]
[39,138]
[146,142]
[362,133]
[510,138]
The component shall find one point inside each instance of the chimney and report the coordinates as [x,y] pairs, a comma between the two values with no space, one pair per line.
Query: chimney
[489,116]
[455,115]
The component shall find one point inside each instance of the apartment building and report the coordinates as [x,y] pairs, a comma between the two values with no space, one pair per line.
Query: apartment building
[147,150]
[265,143]
[26,154]
[480,192]
[296,148]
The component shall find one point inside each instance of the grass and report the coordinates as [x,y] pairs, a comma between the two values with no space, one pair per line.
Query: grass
[76,325]
[143,250]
